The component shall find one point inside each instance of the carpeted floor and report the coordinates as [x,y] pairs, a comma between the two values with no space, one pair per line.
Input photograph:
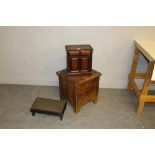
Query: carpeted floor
[115,109]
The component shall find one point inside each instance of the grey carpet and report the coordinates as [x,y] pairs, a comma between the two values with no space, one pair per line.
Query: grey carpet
[115,109]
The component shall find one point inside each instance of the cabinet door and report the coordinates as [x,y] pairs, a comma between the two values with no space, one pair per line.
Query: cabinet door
[74,64]
[85,61]
[73,61]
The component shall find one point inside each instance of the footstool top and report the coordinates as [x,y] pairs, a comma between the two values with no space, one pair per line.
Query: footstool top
[48,105]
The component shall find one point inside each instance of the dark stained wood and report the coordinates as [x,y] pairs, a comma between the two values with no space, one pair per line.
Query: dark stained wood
[75,47]
[79,59]
[79,89]
[48,106]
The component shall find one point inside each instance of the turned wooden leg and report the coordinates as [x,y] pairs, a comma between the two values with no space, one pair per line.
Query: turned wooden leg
[61,117]
[33,113]
[133,68]
[65,105]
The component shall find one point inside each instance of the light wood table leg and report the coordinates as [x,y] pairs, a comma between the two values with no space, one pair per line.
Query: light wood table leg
[133,68]
[145,89]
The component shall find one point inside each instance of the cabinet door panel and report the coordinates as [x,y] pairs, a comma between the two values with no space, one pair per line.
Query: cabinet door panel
[84,63]
[85,53]
[74,63]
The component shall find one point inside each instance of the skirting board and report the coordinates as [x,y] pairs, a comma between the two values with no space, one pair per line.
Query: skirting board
[28,81]
[122,84]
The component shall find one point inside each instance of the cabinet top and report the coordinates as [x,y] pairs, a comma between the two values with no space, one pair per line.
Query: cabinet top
[78,47]
[78,79]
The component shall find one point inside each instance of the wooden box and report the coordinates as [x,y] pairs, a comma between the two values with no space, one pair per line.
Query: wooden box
[79,59]
[79,89]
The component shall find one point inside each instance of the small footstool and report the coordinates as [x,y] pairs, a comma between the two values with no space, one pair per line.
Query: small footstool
[48,106]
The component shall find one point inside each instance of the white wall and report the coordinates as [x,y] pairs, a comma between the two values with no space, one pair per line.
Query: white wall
[32,55]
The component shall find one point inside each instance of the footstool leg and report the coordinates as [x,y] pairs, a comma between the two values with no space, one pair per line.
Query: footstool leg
[33,113]
[65,106]
[61,117]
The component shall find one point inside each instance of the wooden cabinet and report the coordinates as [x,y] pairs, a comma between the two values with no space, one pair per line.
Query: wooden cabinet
[79,59]
[79,89]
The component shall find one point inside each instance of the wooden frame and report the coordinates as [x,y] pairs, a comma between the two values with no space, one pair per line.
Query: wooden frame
[142,95]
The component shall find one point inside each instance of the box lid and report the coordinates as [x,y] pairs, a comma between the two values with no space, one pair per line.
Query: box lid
[78,47]
[78,79]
